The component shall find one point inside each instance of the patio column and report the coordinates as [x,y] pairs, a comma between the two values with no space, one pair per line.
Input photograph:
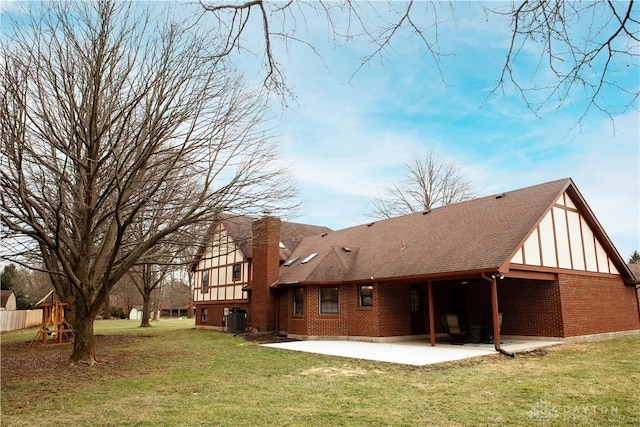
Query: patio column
[494,312]
[432,326]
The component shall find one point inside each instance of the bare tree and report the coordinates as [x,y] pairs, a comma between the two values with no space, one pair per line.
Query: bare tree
[147,278]
[125,295]
[103,109]
[577,43]
[374,23]
[429,183]
[152,269]
[177,294]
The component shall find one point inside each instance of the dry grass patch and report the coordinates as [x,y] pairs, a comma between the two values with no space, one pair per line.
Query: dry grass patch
[177,375]
[338,372]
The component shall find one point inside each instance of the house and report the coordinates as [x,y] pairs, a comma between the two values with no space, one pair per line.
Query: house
[7,300]
[239,253]
[533,262]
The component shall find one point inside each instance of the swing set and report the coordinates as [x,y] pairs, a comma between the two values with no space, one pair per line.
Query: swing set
[54,329]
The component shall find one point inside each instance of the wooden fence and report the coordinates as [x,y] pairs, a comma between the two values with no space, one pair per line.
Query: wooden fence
[19,319]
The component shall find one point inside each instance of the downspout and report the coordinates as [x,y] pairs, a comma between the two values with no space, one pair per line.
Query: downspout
[495,313]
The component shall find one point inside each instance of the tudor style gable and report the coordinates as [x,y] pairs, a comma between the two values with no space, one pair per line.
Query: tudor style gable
[223,270]
[568,237]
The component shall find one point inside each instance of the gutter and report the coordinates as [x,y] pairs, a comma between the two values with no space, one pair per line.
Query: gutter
[494,310]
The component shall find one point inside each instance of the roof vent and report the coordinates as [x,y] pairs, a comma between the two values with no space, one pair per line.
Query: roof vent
[324,234]
[500,196]
[346,249]
[309,258]
[428,211]
[370,224]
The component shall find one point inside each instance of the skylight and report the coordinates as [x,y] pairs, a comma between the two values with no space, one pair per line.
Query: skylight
[309,258]
[291,261]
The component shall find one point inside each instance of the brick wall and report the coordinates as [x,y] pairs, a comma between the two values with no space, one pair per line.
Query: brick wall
[389,315]
[530,308]
[266,271]
[324,324]
[575,305]
[363,321]
[394,310]
[215,312]
[594,305]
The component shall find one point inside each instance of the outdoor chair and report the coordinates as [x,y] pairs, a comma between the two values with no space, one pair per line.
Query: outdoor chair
[456,334]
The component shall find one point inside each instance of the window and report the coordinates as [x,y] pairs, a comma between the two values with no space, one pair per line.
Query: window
[366,295]
[203,315]
[236,272]
[329,301]
[205,282]
[298,300]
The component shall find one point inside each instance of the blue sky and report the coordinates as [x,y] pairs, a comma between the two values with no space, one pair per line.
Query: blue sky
[346,139]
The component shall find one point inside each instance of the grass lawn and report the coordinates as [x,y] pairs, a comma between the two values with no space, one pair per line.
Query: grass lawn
[173,374]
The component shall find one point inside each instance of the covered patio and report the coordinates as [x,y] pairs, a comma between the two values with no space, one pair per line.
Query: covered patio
[485,306]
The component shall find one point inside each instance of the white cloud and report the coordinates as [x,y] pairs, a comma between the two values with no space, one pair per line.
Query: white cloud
[604,165]
[344,142]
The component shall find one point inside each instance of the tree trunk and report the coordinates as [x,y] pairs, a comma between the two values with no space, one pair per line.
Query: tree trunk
[146,310]
[83,345]
[106,312]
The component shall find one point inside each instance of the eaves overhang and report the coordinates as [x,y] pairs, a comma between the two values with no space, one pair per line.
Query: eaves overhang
[470,274]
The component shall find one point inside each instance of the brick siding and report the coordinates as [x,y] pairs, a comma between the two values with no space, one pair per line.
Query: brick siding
[594,305]
[215,312]
[394,308]
[266,271]
[530,308]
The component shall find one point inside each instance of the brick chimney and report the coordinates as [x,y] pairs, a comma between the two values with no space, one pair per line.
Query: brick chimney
[266,271]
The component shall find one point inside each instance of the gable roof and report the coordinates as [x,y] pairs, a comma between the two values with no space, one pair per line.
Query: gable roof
[239,228]
[4,297]
[479,235]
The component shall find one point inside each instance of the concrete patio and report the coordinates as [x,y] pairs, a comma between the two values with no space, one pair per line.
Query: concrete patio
[417,353]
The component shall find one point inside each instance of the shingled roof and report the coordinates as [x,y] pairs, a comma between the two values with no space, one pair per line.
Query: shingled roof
[473,236]
[239,228]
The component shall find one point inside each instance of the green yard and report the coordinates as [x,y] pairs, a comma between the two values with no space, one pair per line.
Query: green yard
[173,374]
